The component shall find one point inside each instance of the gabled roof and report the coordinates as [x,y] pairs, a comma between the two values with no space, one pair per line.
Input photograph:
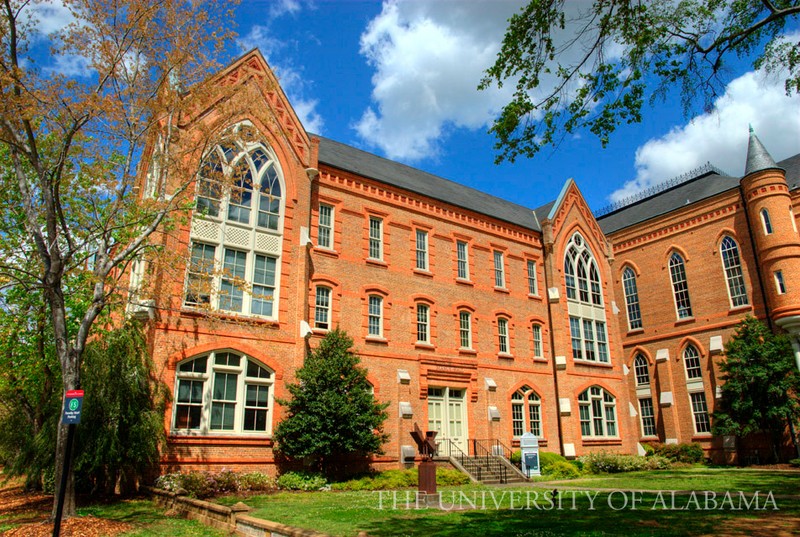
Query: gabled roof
[343,157]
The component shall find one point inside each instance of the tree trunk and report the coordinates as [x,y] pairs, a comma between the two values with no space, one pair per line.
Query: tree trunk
[71,382]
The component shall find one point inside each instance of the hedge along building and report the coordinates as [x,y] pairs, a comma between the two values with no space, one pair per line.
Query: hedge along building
[474,316]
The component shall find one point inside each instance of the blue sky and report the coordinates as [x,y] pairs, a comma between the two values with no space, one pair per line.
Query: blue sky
[399,79]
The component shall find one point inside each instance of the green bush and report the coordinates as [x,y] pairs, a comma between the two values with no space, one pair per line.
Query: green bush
[604,462]
[547,459]
[649,450]
[657,462]
[301,481]
[562,470]
[516,457]
[399,479]
[224,481]
[795,463]
[205,484]
[691,453]
[257,481]
[450,477]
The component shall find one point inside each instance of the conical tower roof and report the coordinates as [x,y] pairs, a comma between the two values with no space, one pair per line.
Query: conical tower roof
[758,158]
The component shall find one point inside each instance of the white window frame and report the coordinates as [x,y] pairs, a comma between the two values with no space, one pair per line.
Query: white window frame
[641,370]
[701,417]
[680,286]
[595,406]
[631,290]
[533,283]
[325,226]
[589,340]
[322,307]
[536,333]
[422,250]
[375,238]
[780,285]
[499,270]
[462,260]
[692,364]
[522,400]
[465,329]
[732,268]
[766,221]
[206,404]
[375,315]
[423,323]
[503,340]
[647,415]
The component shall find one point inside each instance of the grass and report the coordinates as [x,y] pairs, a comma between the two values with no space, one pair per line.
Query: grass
[149,519]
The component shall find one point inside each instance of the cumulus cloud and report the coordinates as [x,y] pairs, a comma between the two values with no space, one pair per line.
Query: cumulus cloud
[720,136]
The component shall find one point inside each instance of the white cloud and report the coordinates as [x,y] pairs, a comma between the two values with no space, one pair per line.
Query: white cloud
[429,57]
[720,136]
[50,16]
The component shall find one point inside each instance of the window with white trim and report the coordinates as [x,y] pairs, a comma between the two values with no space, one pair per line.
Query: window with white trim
[598,413]
[691,361]
[702,423]
[680,289]
[526,412]
[533,285]
[641,370]
[536,331]
[375,238]
[375,316]
[465,329]
[499,270]
[589,340]
[766,222]
[587,316]
[462,260]
[322,308]
[423,323]
[325,227]
[792,218]
[732,265]
[780,286]
[647,416]
[631,299]
[422,250]
[502,335]
[223,393]
[580,266]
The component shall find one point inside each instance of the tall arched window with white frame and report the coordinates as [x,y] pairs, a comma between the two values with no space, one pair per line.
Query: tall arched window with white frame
[526,412]
[631,299]
[642,371]
[587,316]
[598,413]
[766,222]
[680,289]
[732,265]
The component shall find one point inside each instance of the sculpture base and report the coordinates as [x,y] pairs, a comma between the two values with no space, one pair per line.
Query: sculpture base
[427,477]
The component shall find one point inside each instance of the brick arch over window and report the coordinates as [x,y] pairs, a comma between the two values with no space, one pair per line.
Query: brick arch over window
[527,410]
[680,285]
[597,412]
[733,271]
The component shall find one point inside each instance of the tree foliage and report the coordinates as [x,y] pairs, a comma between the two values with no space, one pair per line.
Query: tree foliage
[592,65]
[332,413]
[762,384]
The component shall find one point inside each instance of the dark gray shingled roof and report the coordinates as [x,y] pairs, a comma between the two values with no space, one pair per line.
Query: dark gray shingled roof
[758,158]
[700,188]
[344,157]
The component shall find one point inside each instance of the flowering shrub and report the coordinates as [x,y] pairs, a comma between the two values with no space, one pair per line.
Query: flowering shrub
[205,484]
[610,463]
[301,481]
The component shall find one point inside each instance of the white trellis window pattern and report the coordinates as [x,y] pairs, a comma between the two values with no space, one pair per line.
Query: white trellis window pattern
[587,316]
[423,323]
[502,335]
[422,250]
[648,417]
[533,286]
[236,233]
[465,329]
[732,265]
[325,226]
[702,423]
[691,360]
[631,299]
[375,238]
[322,308]
[462,253]
[641,370]
[526,412]
[499,270]
[598,413]
[536,331]
[680,289]
[580,267]
[223,393]
[375,316]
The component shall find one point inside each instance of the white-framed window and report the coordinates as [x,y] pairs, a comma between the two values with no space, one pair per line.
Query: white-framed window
[587,316]
[465,329]
[647,416]
[502,335]
[234,255]
[680,288]
[766,222]
[691,361]
[375,316]
[375,238]
[580,267]
[642,370]
[536,332]
[322,308]
[598,413]
[526,412]
[792,218]
[499,270]
[223,393]
[732,265]
[780,286]
[533,285]
[631,299]
[462,260]
[325,227]
[422,249]
[423,323]
[702,423]
[589,340]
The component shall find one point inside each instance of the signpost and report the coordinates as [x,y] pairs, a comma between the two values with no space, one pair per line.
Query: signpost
[73,404]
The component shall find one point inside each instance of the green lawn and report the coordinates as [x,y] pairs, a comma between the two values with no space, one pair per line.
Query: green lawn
[149,520]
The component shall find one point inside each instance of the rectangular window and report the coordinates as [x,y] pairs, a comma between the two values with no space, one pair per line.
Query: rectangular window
[423,323]
[322,309]
[463,263]
[517,419]
[465,329]
[533,288]
[534,419]
[602,345]
[264,270]
[577,341]
[325,229]
[537,340]
[375,320]
[499,270]
[189,405]
[375,238]
[255,407]
[502,335]
[588,340]
[201,270]
[422,250]
[586,422]
[648,417]
[779,285]
[700,411]
[223,401]
[231,292]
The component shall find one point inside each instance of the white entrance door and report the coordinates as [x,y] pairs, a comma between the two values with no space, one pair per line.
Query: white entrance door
[447,414]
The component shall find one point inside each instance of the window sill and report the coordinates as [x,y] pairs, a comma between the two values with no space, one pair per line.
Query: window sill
[540,359]
[320,331]
[505,355]
[740,309]
[376,262]
[702,436]
[188,311]
[635,332]
[422,272]
[503,290]
[593,363]
[611,441]
[464,350]
[328,252]
[534,297]
[461,281]
[217,438]
[685,320]
[377,339]
[424,346]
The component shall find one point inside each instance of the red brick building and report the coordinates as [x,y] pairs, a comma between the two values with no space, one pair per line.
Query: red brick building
[474,316]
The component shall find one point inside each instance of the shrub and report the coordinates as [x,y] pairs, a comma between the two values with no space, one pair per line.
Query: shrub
[399,479]
[198,484]
[795,463]
[604,462]
[224,481]
[657,462]
[301,481]
[687,452]
[649,450]
[516,457]
[450,477]
[547,459]
[562,470]
[257,481]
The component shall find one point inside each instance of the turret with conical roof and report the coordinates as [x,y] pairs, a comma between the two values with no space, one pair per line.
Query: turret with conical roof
[769,207]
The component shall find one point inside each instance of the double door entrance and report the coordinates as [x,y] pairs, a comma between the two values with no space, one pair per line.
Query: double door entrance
[447,414]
